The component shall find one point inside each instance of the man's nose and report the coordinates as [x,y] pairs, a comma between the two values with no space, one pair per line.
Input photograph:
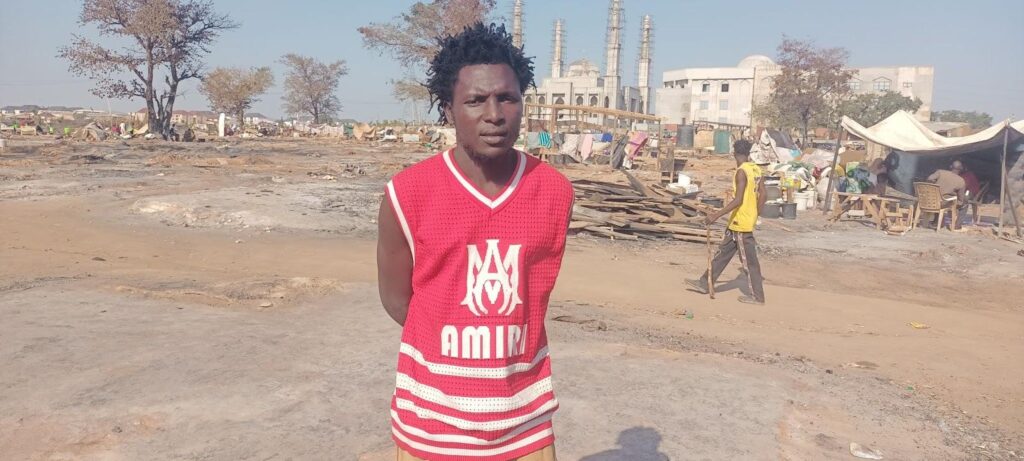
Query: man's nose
[492,111]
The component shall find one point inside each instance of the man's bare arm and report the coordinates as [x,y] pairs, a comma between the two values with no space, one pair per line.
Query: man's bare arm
[762,195]
[394,264]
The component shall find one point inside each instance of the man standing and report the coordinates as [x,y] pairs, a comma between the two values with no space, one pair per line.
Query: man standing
[952,187]
[748,199]
[470,244]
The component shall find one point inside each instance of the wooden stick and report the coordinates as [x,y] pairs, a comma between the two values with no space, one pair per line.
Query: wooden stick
[711,269]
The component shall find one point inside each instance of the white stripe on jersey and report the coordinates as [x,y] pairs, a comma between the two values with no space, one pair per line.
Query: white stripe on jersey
[473,372]
[474,451]
[481,197]
[401,219]
[467,425]
[474,404]
[456,438]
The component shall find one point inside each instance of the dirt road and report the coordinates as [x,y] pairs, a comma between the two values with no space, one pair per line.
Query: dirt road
[171,301]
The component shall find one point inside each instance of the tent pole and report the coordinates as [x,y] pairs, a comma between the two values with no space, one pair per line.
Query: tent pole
[1002,181]
[1009,195]
[832,172]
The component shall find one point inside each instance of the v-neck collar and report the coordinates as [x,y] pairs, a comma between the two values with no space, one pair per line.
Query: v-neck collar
[476,193]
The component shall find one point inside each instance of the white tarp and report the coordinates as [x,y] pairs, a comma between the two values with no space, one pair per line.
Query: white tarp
[902,132]
[773,147]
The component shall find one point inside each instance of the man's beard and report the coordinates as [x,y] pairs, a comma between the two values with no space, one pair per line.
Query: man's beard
[484,159]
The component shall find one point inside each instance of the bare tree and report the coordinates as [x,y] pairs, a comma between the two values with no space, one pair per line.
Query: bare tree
[813,85]
[412,38]
[411,91]
[234,90]
[310,85]
[167,41]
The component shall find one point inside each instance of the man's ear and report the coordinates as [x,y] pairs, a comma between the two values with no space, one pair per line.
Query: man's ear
[447,108]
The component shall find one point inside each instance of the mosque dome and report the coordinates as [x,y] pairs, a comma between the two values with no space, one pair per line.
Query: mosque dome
[755,60]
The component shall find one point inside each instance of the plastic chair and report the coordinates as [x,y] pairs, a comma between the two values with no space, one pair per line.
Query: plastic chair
[930,201]
[975,202]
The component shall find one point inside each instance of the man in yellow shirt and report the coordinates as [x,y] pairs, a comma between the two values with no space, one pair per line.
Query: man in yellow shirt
[748,199]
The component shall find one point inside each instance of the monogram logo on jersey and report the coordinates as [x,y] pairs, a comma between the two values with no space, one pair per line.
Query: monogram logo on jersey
[492,280]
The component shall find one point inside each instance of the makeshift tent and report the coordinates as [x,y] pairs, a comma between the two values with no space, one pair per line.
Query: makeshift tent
[774,146]
[994,154]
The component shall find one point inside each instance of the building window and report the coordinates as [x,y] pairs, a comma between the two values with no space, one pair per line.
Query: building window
[882,84]
[723,104]
[579,100]
[704,88]
[908,85]
[606,101]
[540,99]
[529,99]
[725,88]
[704,105]
[855,85]
[559,100]
[593,101]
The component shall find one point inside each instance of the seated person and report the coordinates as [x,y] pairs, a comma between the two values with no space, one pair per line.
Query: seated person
[878,176]
[971,182]
[952,187]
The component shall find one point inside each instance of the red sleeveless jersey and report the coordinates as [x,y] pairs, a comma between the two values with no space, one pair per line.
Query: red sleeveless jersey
[474,378]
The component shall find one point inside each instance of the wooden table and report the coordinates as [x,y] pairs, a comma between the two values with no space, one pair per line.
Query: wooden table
[883,211]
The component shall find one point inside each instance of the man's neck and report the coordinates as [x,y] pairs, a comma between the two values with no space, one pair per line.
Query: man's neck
[490,177]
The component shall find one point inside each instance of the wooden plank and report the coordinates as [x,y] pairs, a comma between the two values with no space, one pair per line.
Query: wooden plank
[636,184]
[610,233]
[581,213]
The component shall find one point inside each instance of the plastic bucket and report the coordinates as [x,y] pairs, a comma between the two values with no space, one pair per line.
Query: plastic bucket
[789,210]
[770,211]
[804,200]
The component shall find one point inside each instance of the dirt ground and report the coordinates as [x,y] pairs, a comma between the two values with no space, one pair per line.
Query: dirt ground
[218,301]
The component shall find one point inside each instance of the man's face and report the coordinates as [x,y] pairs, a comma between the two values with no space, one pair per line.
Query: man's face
[487,109]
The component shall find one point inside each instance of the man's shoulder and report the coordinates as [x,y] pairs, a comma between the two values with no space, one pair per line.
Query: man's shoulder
[427,167]
[547,174]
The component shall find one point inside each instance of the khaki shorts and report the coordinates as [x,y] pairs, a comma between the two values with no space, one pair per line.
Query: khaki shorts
[544,454]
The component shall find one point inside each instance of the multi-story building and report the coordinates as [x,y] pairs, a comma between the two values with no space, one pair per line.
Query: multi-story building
[727,94]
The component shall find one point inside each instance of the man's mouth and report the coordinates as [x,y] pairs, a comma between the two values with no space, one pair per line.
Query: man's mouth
[492,138]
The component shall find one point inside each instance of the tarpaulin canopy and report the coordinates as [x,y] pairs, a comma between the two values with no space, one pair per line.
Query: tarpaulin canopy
[902,132]
[994,154]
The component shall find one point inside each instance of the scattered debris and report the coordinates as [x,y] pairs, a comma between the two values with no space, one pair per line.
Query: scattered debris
[919,326]
[863,452]
[588,324]
[862,364]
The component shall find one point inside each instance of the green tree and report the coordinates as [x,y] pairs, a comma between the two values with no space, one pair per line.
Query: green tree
[975,119]
[871,108]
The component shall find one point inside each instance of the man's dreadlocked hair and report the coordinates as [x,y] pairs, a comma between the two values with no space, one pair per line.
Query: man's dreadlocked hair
[476,44]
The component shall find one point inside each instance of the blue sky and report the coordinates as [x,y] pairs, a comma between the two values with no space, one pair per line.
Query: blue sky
[975,47]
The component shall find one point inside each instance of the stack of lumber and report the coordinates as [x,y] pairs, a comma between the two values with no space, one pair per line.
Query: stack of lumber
[638,211]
